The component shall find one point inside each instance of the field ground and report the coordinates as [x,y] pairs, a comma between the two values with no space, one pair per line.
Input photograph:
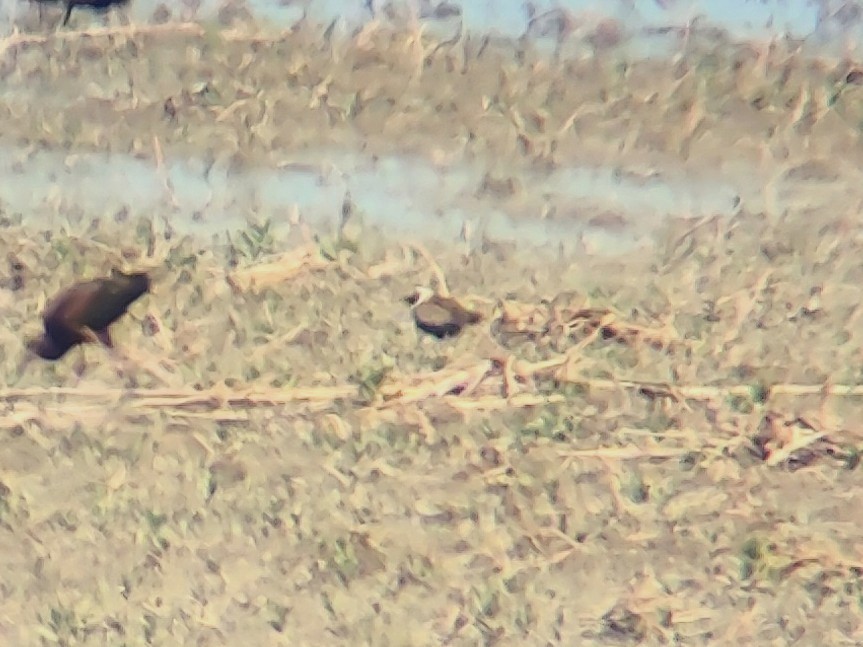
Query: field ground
[655,447]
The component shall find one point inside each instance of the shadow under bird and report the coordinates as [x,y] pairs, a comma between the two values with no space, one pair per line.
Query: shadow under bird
[83,313]
[439,315]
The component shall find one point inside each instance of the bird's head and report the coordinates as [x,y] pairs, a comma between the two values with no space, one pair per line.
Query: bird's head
[418,296]
[45,347]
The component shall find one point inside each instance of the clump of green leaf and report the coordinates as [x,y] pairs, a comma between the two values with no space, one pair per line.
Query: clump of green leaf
[255,241]
[370,376]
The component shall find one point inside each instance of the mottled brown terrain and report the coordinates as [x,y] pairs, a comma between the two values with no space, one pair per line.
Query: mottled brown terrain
[655,448]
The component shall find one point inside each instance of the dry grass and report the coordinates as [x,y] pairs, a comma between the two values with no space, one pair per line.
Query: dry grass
[355,472]
[497,101]
[656,449]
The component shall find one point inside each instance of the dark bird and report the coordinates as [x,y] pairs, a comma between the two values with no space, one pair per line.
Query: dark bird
[438,315]
[99,5]
[84,311]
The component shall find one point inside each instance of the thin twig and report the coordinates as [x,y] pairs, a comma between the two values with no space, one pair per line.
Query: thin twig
[443,288]
[162,171]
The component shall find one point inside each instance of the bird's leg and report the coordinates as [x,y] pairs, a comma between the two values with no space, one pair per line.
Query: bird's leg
[80,365]
[24,363]
[130,364]
[89,335]
[103,338]
[124,16]
[38,10]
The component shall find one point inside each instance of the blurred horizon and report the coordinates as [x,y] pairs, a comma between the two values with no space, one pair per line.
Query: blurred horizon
[833,27]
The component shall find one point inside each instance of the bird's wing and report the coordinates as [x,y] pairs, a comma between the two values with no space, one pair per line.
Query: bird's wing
[459,312]
[68,308]
[110,303]
[433,314]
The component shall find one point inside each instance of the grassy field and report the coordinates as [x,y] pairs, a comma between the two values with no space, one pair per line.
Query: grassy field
[655,448]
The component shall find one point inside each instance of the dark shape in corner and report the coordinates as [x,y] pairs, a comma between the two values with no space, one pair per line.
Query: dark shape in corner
[84,311]
[99,5]
[438,315]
